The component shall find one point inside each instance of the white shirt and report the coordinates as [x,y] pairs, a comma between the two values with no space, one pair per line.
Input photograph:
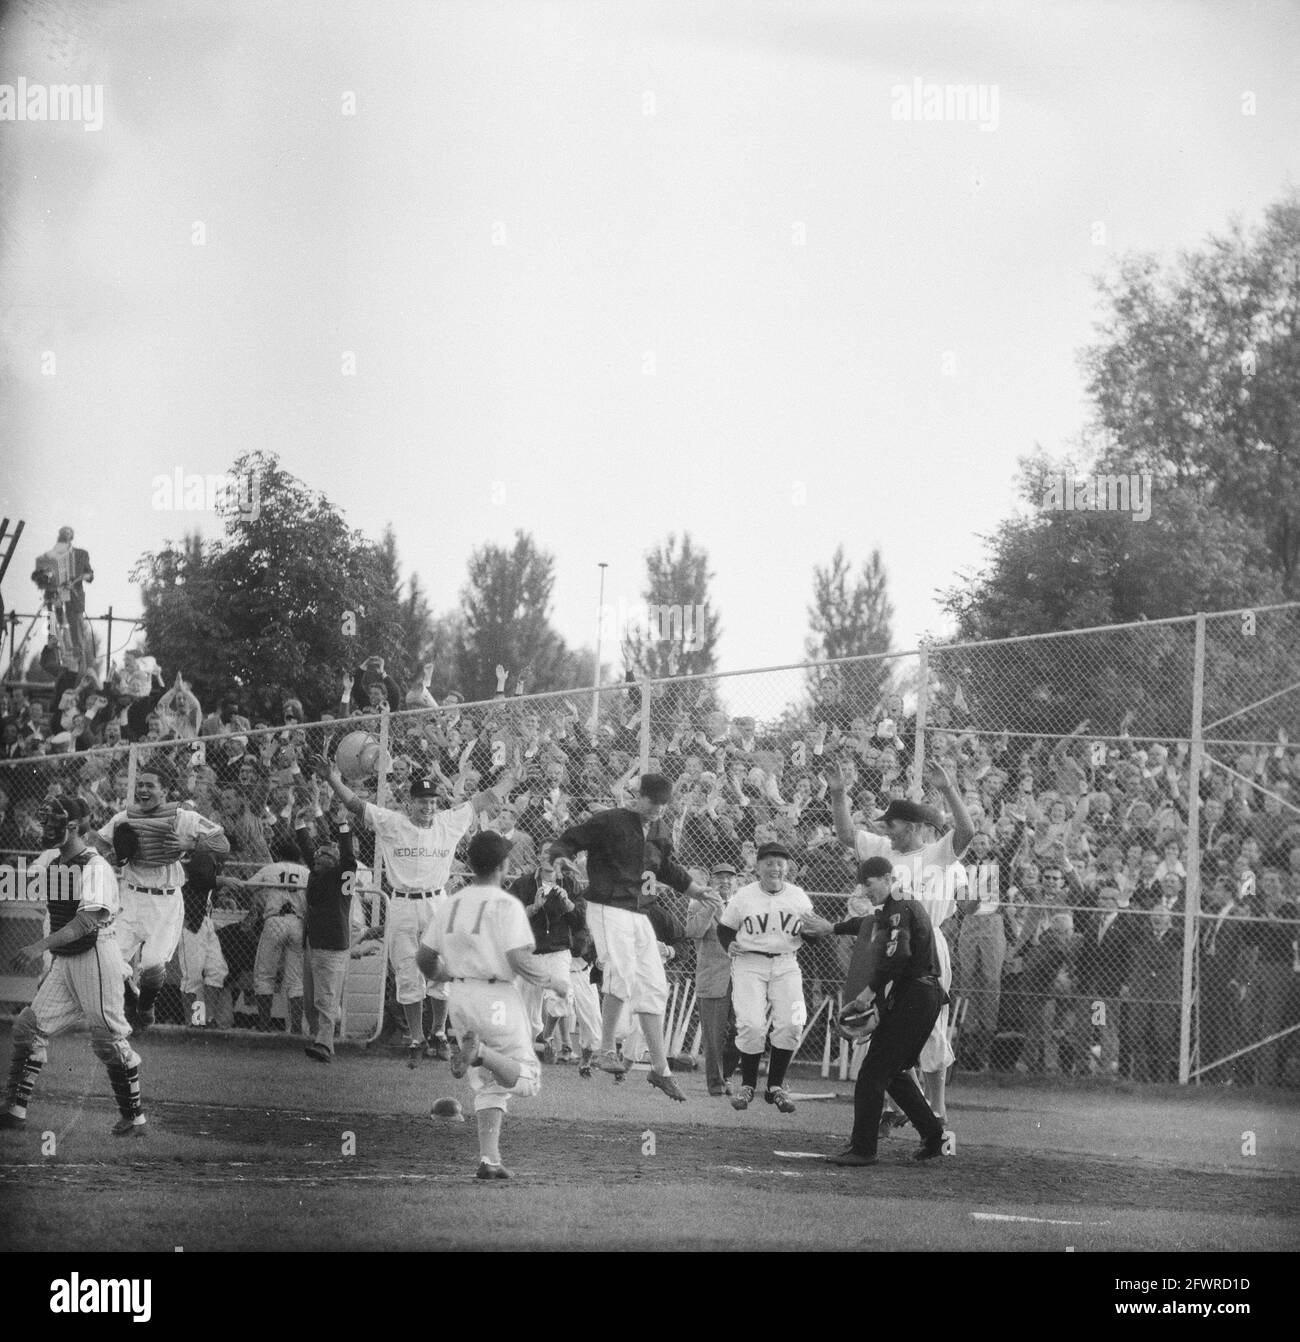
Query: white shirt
[930,873]
[768,923]
[473,929]
[415,858]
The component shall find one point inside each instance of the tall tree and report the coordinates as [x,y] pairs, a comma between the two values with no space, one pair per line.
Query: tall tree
[505,619]
[279,605]
[676,633]
[848,618]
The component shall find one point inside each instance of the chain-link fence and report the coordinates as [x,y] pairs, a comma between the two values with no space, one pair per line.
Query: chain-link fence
[1108,917]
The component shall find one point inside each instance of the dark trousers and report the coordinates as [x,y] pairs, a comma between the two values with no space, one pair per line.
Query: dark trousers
[905,1025]
[718,1027]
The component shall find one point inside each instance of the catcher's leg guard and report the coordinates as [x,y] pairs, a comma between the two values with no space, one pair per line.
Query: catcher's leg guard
[151,982]
[124,1077]
[25,1065]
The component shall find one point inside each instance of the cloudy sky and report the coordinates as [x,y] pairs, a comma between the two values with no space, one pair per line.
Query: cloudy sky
[604,271]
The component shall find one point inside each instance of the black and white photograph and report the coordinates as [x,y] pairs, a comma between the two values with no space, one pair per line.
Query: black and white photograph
[658,626]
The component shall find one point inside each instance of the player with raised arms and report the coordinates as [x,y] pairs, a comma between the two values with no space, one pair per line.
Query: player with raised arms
[476,942]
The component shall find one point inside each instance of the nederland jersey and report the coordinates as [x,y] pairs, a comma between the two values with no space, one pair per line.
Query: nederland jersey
[930,873]
[474,928]
[415,858]
[95,887]
[768,923]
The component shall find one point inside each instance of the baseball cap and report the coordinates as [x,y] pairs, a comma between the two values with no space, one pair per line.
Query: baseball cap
[874,866]
[910,812]
[773,850]
[423,787]
[722,869]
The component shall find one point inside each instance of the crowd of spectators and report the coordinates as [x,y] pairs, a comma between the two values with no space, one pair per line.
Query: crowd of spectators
[1088,835]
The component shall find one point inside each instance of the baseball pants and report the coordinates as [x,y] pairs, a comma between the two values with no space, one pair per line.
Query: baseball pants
[324,976]
[495,1012]
[542,1005]
[721,1056]
[584,1006]
[279,956]
[981,951]
[909,1015]
[408,920]
[937,1054]
[629,958]
[759,982]
[149,926]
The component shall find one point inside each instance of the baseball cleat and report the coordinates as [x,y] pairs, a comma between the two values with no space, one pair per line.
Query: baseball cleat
[611,1062]
[566,1056]
[850,1157]
[548,1053]
[619,1078]
[12,1121]
[584,1071]
[318,1053]
[779,1096]
[465,1056]
[131,1127]
[438,1048]
[486,1171]
[667,1085]
[929,1150]
[742,1097]
[414,1052]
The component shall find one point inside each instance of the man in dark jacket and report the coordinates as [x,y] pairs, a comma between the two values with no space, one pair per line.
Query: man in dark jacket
[1101,971]
[327,933]
[629,849]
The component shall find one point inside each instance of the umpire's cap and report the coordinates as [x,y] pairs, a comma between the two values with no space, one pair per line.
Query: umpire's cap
[658,788]
[487,851]
[874,866]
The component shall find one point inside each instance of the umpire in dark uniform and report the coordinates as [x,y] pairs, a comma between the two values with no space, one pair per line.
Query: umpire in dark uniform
[903,980]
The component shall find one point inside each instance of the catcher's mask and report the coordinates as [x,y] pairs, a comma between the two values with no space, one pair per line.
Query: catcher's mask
[57,817]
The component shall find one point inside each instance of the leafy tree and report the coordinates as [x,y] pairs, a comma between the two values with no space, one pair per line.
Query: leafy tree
[848,619]
[281,603]
[505,619]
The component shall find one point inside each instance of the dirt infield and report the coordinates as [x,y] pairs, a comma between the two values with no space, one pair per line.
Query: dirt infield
[254,1147]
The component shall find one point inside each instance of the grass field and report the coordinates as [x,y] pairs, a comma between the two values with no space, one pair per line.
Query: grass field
[247,1141]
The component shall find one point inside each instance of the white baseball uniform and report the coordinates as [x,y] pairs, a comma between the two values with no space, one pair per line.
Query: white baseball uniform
[472,930]
[584,1004]
[932,875]
[418,863]
[765,972]
[283,885]
[153,912]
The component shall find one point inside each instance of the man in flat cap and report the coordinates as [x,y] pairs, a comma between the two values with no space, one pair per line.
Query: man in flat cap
[628,849]
[766,922]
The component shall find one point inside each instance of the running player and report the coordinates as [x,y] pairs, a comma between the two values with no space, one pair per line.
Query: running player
[477,941]
[87,979]
[767,920]
[417,848]
[155,834]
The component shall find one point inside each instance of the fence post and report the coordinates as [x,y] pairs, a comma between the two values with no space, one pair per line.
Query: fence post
[132,760]
[922,705]
[647,687]
[1192,895]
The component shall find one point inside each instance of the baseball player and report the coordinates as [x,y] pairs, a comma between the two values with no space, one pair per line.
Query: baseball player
[87,978]
[929,872]
[477,941]
[584,1006]
[417,848]
[149,838]
[766,922]
[628,849]
[903,986]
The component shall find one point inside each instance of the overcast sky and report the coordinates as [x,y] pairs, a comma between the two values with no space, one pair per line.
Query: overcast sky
[606,270]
